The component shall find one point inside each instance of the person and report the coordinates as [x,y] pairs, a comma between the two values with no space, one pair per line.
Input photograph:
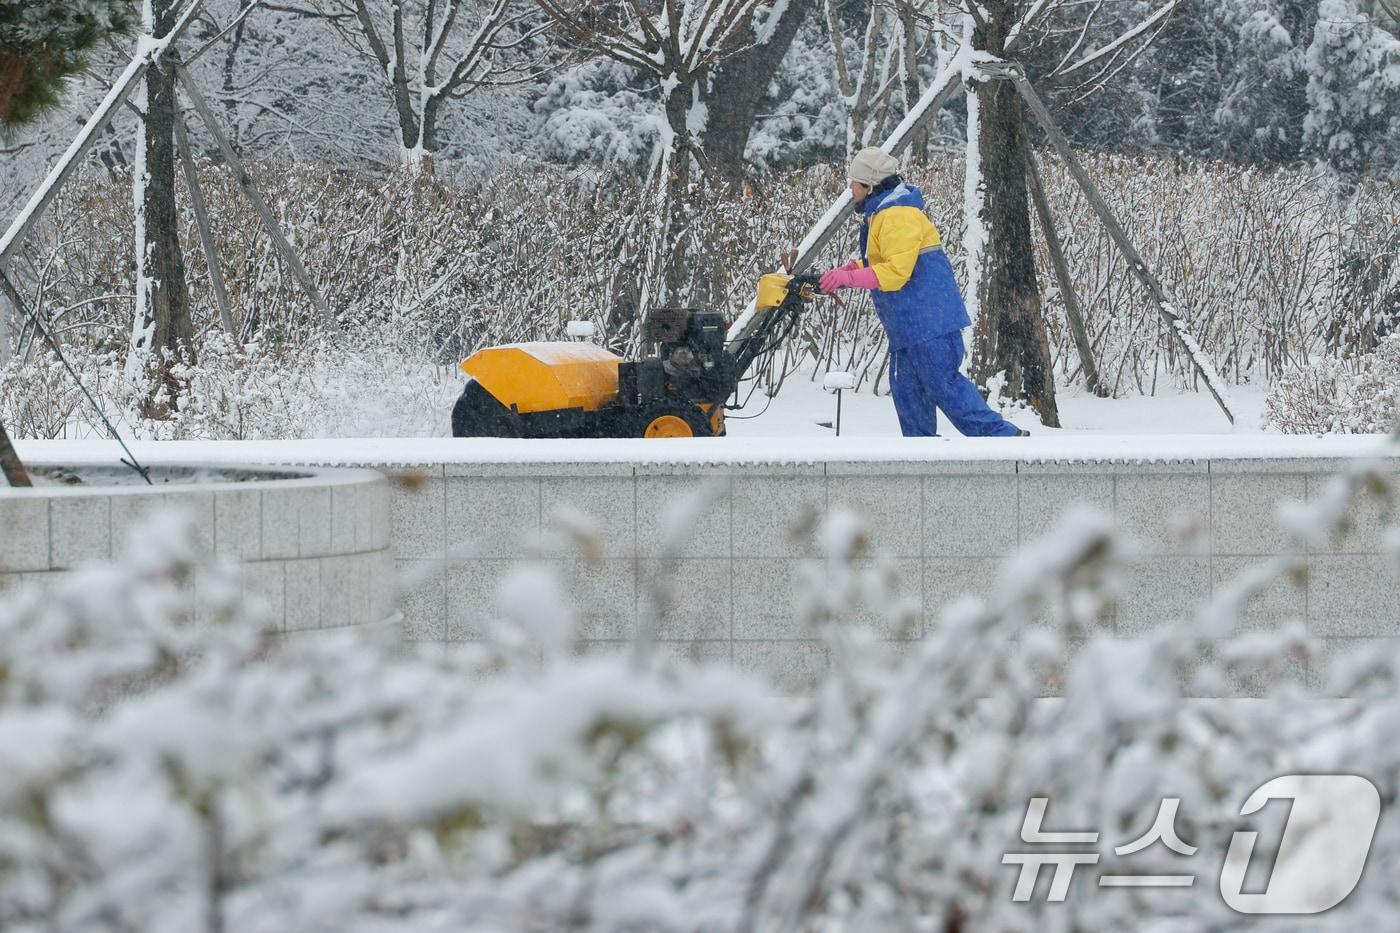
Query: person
[911,281]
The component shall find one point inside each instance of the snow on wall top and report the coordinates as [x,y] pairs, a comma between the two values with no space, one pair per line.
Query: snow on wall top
[723,451]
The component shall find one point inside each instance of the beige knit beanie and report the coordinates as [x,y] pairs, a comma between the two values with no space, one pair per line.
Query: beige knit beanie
[872,166]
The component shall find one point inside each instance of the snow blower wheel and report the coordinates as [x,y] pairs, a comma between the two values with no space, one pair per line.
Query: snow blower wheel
[671,419]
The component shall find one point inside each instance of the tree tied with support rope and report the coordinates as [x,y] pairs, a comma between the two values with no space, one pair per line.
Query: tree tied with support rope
[162,324]
[41,46]
[1002,281]
[1011,345]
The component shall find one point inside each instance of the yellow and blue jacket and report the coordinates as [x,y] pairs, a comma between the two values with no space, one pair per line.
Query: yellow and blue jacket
[918,297]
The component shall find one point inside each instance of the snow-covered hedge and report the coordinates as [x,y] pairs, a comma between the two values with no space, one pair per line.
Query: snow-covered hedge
[1340,397]
[162,775]
[1270,269]
[368,383]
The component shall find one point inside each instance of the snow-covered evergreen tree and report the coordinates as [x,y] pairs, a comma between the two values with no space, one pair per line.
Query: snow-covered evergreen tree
[601,111]
[1353,67]
[1262,96]
[42,44]
[608,113]
[801,120]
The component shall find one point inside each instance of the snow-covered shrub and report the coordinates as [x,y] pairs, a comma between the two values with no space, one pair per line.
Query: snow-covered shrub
[1334,396]
[166,770]
[370,382]
[599,112]
[367,383]
[1368,303]
[233,392]
[1310,399]
[1259,263]
[37,397]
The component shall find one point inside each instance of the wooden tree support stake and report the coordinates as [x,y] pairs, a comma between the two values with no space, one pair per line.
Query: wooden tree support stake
[7,314]
[10,463]
[201,217]
[1073,310]
[245,182]
[1165,308]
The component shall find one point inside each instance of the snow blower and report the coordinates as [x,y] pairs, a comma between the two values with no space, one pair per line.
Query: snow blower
[550,389]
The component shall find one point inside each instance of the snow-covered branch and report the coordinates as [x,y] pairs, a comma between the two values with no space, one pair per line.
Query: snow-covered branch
[168,771]
[1152,23]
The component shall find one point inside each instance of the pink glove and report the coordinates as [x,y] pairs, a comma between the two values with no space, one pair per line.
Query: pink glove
[849,278]
[852,265]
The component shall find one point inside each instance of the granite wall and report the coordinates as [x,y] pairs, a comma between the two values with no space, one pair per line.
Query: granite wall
[942,529]
[313,543]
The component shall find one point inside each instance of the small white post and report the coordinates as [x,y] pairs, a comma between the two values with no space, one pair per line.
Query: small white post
[838,382]
[580,330]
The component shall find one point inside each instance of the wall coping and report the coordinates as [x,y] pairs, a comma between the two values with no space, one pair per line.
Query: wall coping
[494,456]
[293,477]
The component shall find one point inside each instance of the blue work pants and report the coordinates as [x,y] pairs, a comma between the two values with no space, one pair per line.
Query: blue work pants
[925,377]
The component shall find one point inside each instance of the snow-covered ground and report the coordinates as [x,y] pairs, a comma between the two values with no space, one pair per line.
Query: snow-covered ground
[793,427]
[802,404]
[1178,427]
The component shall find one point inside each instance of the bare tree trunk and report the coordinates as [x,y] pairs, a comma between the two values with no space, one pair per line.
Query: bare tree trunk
[682,145]
[673,194]
[1011,338]
[428,141]
[163,298]
[170,297]
[909,68]
[7,312]
[738,87]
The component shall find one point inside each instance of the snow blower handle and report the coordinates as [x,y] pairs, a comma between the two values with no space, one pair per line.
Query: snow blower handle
[804,287]
[807,287]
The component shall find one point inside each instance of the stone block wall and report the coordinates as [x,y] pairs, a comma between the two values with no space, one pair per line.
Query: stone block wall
[942,528]
[454,520]
[313,547]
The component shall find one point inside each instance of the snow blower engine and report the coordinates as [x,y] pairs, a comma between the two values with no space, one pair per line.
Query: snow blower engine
[580,390]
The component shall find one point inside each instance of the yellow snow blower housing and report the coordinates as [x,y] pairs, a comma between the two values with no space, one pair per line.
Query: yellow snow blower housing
[581,390]
[547,376]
